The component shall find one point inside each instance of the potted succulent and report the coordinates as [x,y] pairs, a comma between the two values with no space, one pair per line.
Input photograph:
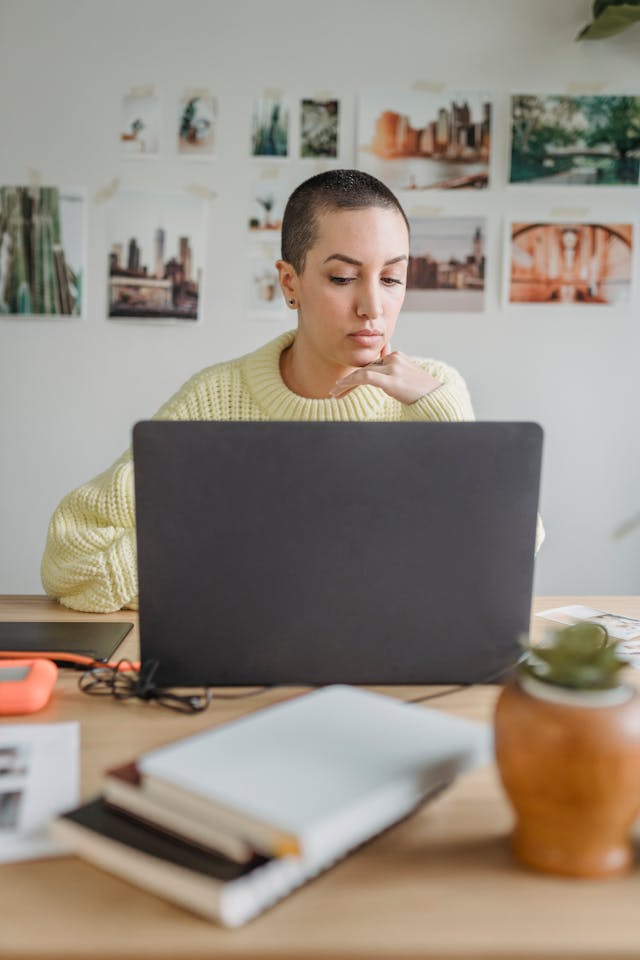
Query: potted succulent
[567,741]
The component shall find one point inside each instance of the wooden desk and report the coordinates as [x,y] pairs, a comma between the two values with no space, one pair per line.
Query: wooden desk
[441,884]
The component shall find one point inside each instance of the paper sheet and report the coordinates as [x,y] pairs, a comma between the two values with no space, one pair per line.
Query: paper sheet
[39,778]
[624,629]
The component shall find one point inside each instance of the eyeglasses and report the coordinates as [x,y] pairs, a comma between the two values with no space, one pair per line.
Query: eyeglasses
[124,681]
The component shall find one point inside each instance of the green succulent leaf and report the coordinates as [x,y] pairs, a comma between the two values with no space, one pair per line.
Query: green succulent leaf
[610,18]
[580,657]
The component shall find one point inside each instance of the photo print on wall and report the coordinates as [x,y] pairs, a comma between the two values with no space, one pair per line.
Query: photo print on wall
[319,128]
[42,251]
[418,140]
[570,263]
[270,190]
[140,124]
[197,115]
[270,127]
[264,294]
[156,244]
[447,264]
[564,141]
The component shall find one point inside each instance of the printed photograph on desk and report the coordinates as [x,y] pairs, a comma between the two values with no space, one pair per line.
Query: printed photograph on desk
[575,141]
[420,140]
[140,124]
[42,251]
[447,264]
[264,298]
[270,189]
[319,128]
[270,127]
[197,115]
[570,263]
[156,255]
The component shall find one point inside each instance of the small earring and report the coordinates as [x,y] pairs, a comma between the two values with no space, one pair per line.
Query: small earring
[292,302]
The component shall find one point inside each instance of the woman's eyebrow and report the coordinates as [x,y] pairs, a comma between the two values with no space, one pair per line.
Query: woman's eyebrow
[358,263]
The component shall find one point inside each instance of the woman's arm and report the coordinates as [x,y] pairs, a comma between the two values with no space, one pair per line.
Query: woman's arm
[89,561]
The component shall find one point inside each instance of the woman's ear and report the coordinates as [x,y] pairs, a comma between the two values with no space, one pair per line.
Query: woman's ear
[288,283]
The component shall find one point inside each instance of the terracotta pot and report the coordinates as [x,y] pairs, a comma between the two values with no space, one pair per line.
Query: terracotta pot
[570,763]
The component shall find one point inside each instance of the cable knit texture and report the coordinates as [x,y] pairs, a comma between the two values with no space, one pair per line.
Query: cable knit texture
[89,562]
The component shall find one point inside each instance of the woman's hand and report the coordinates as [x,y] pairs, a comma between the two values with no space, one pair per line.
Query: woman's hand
[395,373]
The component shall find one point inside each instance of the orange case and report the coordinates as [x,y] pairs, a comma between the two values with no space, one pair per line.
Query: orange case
[32,692]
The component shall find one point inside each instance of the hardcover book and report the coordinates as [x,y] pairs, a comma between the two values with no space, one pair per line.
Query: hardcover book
[317,774]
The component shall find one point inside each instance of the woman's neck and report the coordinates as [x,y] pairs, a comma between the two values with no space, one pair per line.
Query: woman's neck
[307,376]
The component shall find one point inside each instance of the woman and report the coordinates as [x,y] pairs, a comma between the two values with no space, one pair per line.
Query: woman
[345,251]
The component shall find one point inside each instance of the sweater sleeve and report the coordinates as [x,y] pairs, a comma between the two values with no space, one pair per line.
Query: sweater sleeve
[448,402]
[90,560]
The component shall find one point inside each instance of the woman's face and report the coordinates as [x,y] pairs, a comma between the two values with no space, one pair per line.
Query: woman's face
[352,287]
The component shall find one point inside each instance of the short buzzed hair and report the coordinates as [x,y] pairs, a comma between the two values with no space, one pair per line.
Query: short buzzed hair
[332,190]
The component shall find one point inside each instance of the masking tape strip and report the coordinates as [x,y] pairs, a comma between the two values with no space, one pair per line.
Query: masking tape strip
[198,190]
[571,213]
[322,96]
[34,178]
[107,191]
[425,211]
[429,86]
[272,93]
[142,90]
[197,93]
[270,172]
[576,87]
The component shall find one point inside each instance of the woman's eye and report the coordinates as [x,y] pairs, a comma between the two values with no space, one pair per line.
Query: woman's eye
[341,280]
[391,281]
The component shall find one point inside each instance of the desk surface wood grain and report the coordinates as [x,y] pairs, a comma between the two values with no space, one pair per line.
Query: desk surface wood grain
[440,885]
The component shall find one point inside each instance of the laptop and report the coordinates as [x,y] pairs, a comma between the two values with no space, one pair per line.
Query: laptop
[317,553]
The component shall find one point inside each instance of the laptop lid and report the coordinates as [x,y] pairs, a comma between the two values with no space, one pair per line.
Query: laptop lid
[314,553]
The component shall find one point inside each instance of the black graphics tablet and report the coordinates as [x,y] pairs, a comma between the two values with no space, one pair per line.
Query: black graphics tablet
[313,553]
[96,640]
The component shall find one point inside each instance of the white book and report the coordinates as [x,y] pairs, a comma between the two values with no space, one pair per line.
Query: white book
[317,775]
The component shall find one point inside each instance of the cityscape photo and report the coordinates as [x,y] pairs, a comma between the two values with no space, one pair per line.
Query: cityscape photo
[155,258]
[447,264]
[419,141]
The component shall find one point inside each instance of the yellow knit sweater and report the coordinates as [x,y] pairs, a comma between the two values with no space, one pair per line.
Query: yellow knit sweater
[89,561]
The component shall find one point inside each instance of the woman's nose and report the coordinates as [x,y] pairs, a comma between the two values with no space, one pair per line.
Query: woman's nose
[369,303]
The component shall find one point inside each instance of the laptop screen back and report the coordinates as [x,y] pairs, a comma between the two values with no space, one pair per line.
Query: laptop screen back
[313,553]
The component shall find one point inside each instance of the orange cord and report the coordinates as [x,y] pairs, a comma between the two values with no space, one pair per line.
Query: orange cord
[71,658]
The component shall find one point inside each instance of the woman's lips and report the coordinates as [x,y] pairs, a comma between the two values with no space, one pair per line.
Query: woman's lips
[366,338]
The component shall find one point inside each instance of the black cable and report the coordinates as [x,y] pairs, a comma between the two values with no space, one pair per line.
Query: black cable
[463,686]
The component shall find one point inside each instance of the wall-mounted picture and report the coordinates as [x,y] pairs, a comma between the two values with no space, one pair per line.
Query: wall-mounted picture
[447,264]
[265,297]
[42,251]
[140,125]
[570,263]
[422,140]
[156,253]
[584,141]
[270,128]
[197,125]
[319,122]
[269,193]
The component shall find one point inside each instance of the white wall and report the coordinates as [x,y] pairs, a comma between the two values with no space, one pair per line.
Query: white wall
[70,390]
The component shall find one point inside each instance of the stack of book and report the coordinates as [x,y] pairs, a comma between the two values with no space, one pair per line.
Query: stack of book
[231,820]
